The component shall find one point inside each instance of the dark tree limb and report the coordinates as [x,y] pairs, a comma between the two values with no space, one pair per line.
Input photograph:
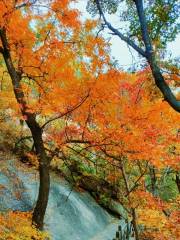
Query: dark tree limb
[151,58]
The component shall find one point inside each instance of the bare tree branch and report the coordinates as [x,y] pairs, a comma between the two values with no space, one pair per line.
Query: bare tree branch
[25,4]
[118,33]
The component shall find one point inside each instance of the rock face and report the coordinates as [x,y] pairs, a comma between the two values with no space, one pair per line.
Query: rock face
[70,214]
[98,188]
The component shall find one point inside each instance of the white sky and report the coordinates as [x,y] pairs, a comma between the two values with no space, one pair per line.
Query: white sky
[119,49]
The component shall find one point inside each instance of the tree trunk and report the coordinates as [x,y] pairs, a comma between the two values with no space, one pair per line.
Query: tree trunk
[36,130]
[42,201]
[44,184]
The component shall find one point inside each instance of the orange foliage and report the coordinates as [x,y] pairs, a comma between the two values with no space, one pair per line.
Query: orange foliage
[64,67]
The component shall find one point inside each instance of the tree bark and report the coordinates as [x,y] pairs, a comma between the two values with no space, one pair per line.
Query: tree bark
[44,176]
[36,131]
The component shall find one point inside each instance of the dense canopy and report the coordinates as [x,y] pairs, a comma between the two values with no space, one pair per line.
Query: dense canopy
[65,105]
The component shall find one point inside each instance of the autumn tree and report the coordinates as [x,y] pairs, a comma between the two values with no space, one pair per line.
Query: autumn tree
[52,61]
[131,146]
[152,24]
[74,101]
